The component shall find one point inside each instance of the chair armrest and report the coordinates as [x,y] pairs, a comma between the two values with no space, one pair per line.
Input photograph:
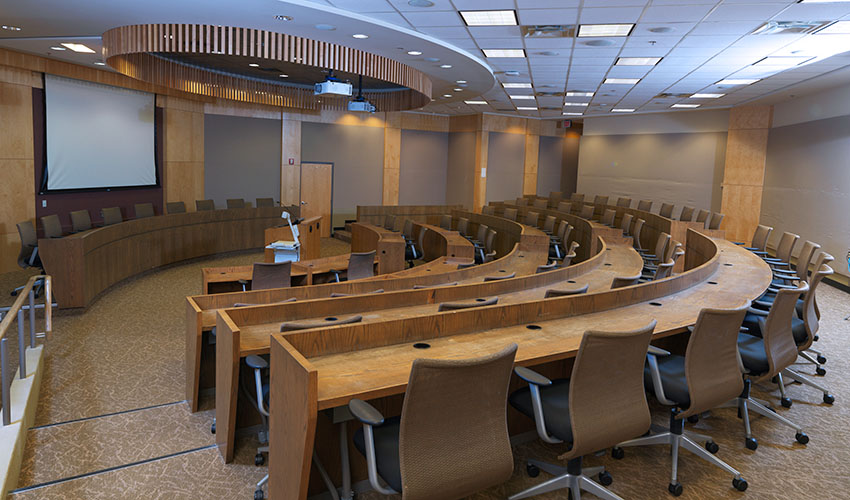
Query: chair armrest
[655,376]
[778,286]
[756,251]
[365,412]
[531,376]
[535,380]
[256,362]
[739,243]
[777,273]
[657,351]
[763,304]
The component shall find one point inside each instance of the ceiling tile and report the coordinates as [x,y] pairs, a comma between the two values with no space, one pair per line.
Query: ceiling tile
[548,16]
[547,4]
[500,43]
[403,5]
[549,43]
[494,31]
[483,4]
[738,28]
[674,13]
[391,17]
[445,33]
[814,11]
[744,12]
[439,19]
[364,5]
[609,15]
[665,42]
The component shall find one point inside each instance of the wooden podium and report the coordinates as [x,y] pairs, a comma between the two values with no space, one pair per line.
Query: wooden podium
[309,236]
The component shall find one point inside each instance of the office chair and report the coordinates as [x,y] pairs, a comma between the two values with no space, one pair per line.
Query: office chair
[645,205]
[111,216]
[765,357]
[549,225]
[660,247]
[687,214]
[446,222]
[479,302]
[266,275]
[593,409]
[568,259]
[783,252]
[143,210]
[235,203]
[522,202]
[673,248]
[624,202]
[702,216]
[265,202]
[705,377]
[666,210]
[636,235]
[626,224]
[714,222]
[659,272]
[623,281]
[488,210]
[510,214]
[555,196]
[531,219]
[28,256]
[565,206]
[479,243]
[577,198]
[80,221]
[555,292]
[175,207]
[204,205]
[557,242]
[411,253]
[586,212]
[608,217]
[540,203]
[451,439]
[498,277]
[489,246]
[389,222]
[759,243]
[463,226]
[600,200]
[360,265]
[52,226]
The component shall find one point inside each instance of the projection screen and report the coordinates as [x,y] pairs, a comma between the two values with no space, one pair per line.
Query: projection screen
[98,136]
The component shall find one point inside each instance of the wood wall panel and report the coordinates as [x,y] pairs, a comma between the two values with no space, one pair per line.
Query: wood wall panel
[290,175]
[17,189]
[184,150]
[392,165]
[529,173]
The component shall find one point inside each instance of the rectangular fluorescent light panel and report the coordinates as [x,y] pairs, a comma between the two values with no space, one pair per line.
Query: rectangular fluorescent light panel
[489,17]
[782,61]
[78,47]
[516,85]
[685,106]
[571,114]
[586,30]
[823,1]
[622,110]
[624,81]
[836,28]
[526,108]
[504,52]
[707,96]
[738,81]
[579,94]
[475,102]
[575,104]
[521,97]
[637,61]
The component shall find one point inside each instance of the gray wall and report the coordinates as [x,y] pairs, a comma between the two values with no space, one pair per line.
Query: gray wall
[807,185]
[459,182]
[241,158]
[424,167]
[505,160]
[569,172]
[358,157]
[549,165]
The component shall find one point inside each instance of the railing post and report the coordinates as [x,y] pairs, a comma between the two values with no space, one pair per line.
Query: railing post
[22,346]
[32,319]
[48,307]
[4,379]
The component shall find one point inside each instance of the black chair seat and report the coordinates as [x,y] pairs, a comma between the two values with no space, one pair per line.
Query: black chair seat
[798,328]
[673,379]
[386,450]
[556,407]
[753,354]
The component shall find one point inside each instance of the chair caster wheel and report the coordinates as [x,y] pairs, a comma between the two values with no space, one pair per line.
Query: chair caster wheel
[740,484]
[259,459]
[14,294]
[605,478]
[820,371]
[212,428]
[617,453]
[828,399]
[785,402]
[532,470]
[258,495]
[821,359]
[693,419]
[712,447]
[751,443]
[802,438]
[675,489]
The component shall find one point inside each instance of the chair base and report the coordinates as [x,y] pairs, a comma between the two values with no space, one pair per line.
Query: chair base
[571,477]
[744,403]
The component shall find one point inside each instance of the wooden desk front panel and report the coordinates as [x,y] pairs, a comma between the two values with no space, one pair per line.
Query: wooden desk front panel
[440,242]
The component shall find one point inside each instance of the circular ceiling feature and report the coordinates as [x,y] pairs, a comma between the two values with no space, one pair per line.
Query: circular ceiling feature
[420,3]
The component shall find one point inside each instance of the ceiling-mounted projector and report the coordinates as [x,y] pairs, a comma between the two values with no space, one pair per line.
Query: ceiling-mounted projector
[333,87]
[361,105]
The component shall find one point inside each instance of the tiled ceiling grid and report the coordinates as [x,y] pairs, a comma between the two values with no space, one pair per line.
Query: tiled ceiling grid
[700,42]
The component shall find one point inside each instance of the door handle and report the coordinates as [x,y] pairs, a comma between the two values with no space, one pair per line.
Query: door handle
[303,202]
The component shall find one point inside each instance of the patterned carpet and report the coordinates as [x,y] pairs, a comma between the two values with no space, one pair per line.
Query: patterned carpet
[112,423]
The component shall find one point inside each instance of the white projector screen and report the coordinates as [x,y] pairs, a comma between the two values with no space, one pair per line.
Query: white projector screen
[98,136]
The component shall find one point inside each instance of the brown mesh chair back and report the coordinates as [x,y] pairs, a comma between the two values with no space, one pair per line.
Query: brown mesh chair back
[600,200]
[672,248]
[80,220]
[407,229]
[702,215]
[510,214]
[714,222]
[175,207]
[626,224]
[204,205]
[804,260]
[522,202]
[687,214]
[564,206]
[111,216]
[361,265]
[549,224]
[490,241]
[645,205]
[479,302]
[624,202]
[446,221]
[488,210]
[271,275]
[760,237]
[556,196]
[620,281]
[711,360]
[463,226]
[562,231]
[607,400]
[143,210]
[553,292]
[51,226]
[636,234]
[540,203]
[663,270]
[810,315]
[661,245]
[577,198]
[389,222]
[666,210]
[586,212]
[776,330]
[481,235]
[265,202]
[29,242]
[786,246]
[531,219]
[608,217]
[235,203]
[451,454]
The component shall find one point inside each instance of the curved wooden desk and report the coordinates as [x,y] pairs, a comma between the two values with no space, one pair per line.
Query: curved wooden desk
[85,264]
[439,242]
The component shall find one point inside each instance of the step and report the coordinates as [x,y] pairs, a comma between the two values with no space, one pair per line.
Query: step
[343,236]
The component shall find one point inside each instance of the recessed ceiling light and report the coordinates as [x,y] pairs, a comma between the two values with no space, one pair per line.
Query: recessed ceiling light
[707,96]
[420,3]
[432,59]
[283,18]
[622,110]
[58,48]
[660,29]
[516,85]
[685,106]
[836,28]
[586,30]
[458,90]
[521,97]
[78,47]
[571,114]
[623,81]
[526,108]
[489,17]
[738,81]
[414,53]
[325,27]
[512,73]
[598,43]
[575,104]
[475,102]
[579,94]
[445,66]
[360,36]
[637,61]
[254,65]
[460,82]
[283,76]
[11,28]
[503,52]
[98,63]
[447,95]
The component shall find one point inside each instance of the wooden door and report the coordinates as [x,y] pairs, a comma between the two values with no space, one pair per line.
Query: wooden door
[317,193]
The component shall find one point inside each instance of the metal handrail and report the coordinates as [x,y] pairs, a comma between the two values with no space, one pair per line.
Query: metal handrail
[16,311]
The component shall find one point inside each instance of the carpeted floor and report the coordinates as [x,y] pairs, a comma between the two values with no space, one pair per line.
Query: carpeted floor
[112,423]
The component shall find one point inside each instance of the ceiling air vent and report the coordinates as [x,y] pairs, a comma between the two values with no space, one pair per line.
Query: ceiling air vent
[549,94]
[788,27]
[550,108]
[548,31]
[671,96]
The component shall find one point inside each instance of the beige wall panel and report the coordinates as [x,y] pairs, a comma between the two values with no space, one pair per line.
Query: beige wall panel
[290,179]
[550,128]
[532,155]
[506,124]
[184,182]
[751,117]
[178,135]
[745,157]
[15,121]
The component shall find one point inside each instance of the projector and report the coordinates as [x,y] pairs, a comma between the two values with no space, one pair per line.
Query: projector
[331,87]
[363,106]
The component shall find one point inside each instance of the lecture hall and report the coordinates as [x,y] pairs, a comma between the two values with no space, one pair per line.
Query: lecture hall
[425,249]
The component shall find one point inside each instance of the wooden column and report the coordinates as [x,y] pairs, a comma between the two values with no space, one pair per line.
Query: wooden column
[743,177]
[532,152]
[184,150]
[479,178]
[290,149]
[392,158]
[17,190]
